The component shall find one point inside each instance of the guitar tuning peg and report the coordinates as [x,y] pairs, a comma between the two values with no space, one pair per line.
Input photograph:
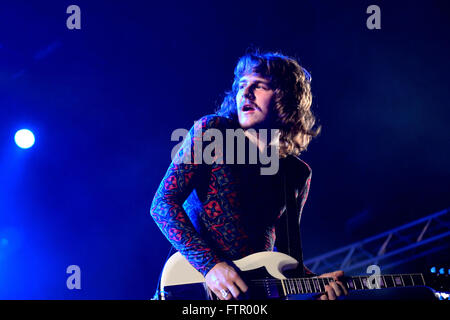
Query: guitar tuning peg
[433,270]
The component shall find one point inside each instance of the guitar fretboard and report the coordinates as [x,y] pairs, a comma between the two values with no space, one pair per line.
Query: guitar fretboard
[317,285]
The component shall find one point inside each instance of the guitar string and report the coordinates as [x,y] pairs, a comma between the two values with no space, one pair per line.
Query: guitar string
[268,280]
[306,289]
[331,279]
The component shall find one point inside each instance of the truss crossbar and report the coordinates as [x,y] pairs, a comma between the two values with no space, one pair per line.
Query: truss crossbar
[415,236]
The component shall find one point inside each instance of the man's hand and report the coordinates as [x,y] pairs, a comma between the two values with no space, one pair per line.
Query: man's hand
[225,282]
[334,289]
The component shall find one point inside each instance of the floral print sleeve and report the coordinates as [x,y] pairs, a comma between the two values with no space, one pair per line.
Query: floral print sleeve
[167,206]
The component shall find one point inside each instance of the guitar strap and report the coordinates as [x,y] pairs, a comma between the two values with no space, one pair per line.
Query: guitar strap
[292,221]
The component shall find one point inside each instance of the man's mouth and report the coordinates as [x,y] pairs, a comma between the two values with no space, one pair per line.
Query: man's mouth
[248,107]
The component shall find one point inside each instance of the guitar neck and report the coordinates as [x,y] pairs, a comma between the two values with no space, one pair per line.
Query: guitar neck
[317,285]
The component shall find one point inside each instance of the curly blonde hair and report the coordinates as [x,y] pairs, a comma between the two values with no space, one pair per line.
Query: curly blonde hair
[293,98]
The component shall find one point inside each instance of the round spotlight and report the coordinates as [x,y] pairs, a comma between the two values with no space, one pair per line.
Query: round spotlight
[24,138]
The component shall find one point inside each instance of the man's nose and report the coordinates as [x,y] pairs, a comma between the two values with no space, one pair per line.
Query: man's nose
[248,92]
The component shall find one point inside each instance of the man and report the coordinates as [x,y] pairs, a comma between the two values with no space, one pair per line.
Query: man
[230,209]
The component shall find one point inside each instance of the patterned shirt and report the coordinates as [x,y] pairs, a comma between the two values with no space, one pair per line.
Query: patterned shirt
[220,211]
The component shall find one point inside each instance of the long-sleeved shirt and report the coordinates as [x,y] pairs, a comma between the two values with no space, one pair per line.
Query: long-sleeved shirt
[220,211]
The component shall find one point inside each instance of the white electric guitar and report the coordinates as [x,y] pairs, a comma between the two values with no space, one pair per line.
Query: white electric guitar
[263,273]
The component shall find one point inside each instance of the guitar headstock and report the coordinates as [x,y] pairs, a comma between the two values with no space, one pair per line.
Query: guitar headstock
[438,278]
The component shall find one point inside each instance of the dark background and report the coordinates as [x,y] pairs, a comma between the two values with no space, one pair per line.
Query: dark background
[103,101]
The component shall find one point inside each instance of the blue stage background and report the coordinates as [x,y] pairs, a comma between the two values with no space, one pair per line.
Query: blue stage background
[103,101]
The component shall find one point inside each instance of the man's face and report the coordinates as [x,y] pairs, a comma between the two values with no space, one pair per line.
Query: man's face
[254,101]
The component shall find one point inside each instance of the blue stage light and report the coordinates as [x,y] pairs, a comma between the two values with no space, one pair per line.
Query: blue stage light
[433,270]
[24,138]
[441,271]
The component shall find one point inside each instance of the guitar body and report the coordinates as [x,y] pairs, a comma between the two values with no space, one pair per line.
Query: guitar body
[181,281]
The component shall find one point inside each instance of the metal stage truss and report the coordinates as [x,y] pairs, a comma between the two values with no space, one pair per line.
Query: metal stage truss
[406,243]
